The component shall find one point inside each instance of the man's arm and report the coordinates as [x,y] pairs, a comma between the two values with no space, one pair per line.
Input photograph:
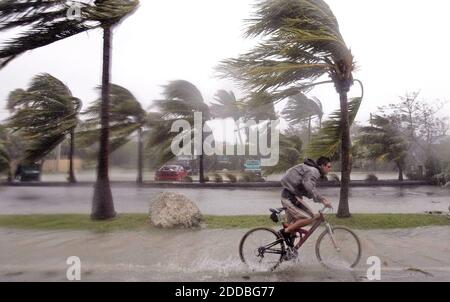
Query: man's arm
[309,184]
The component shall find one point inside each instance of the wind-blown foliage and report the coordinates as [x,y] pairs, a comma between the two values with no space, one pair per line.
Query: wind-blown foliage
[181,100]
[46,21]
[290,154]
[385,141]
[43,115]
[5,158]
[300,108]
[126,116]
[302,42]
[327,141]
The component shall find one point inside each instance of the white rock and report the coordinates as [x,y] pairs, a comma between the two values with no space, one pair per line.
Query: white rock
[169,210]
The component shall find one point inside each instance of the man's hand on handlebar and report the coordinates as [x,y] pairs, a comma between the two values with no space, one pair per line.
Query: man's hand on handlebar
[326,203]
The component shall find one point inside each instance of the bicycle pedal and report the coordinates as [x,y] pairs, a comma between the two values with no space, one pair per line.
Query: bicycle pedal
[291,254]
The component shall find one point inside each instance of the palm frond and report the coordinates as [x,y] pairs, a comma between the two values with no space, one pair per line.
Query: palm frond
[301,42]
[46,21]
[327,141]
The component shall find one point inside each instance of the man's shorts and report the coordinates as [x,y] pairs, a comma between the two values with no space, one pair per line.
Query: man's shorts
[296,207]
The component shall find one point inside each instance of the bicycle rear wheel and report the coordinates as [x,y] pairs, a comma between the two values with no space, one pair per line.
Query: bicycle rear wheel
[261,249]
[345,254]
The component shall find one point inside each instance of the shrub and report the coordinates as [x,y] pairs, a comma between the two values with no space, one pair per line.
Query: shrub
[217,178]
[231,177]
[441,179]
[251,177]
[432,167]
[371,177]
[187,179]
[414,176]
[206,178]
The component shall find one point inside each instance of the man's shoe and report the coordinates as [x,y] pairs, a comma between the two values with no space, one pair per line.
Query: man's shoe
[290,254]
[288,238]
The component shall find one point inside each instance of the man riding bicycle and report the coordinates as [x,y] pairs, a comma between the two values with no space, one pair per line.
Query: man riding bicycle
[298,182]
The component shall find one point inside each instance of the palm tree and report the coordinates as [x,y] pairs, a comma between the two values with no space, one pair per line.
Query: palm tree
[227,106]
[126,117]
[181,100]
[47,22]
[300,108]
[44,115]
[385,141]
[300,43]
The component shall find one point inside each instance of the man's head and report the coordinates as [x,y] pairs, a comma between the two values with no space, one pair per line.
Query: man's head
[324,164]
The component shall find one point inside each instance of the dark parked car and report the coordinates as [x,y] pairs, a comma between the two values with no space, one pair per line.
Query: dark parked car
[171,173]
[28,172]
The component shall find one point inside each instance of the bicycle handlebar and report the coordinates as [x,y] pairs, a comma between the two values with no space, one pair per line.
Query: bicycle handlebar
[324,208]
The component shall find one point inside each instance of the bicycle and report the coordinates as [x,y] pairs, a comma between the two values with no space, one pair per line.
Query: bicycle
[271,249]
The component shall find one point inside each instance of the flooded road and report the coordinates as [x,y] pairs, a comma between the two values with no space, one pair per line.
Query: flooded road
[421,254]
[28,200]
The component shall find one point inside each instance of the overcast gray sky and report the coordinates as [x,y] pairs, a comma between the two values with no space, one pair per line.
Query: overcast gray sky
[399,46]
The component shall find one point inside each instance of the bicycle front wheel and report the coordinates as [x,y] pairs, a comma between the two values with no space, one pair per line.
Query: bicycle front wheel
[261,249]
[339,249]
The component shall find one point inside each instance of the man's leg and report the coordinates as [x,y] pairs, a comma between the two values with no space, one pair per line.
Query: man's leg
[294,227]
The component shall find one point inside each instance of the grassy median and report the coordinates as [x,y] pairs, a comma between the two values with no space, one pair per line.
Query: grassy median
[131,222]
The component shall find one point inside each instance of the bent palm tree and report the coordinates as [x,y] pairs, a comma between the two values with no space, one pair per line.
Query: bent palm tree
[385,141]
[300,108]
[44,115]
[126,117]
[47,22]
[227,106]
[301,42]
[181,100]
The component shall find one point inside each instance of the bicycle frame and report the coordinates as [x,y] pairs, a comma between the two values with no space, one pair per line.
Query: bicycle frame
[305,234]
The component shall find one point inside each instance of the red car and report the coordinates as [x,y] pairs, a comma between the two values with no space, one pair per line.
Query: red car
[171,173]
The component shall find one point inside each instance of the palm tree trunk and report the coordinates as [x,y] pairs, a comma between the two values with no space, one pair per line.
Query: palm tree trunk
[72,178]
[343,209]
[102,204]
[10,174]
[140,160]
[309,129]
[400,171]
[200,168]
[241,142]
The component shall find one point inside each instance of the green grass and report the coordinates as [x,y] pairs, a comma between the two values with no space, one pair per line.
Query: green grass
[133,222]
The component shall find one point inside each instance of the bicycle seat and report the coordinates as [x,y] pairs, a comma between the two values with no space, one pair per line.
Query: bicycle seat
[277,211]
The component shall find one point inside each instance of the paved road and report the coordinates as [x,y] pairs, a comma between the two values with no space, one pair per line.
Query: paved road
[27,200]
[421,254]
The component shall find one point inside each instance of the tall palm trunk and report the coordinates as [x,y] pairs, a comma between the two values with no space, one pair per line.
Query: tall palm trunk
[72,178]
[140,159]
[102,204]
[309,129]
[10,175]
[343,209]
[201,167]
[400,171]
[241,142]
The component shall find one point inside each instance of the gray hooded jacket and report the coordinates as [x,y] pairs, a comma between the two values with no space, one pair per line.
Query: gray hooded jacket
[301,180]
